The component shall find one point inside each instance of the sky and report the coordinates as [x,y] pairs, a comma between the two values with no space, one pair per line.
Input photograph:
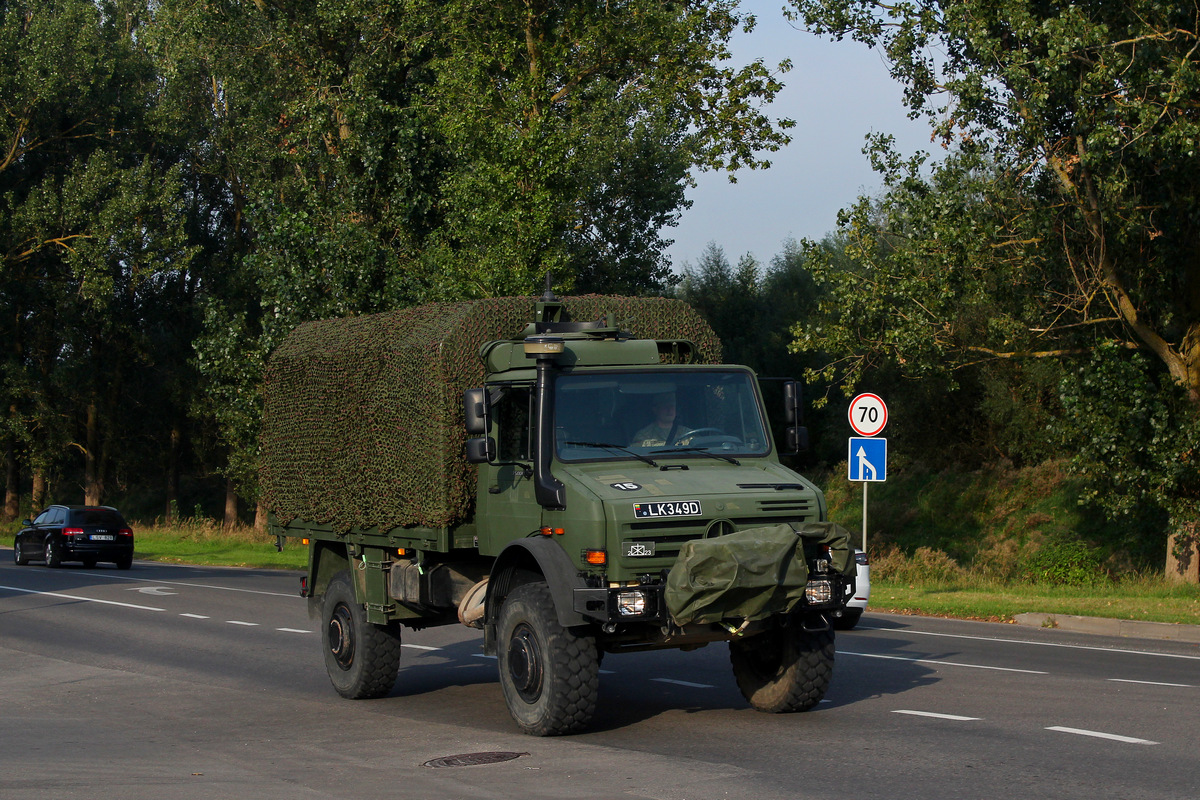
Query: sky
[838,93]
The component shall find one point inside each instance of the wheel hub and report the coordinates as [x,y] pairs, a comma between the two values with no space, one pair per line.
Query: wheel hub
[341,642]
[525,664]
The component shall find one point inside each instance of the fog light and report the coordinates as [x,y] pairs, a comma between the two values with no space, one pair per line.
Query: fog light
[817,592]
[631,604]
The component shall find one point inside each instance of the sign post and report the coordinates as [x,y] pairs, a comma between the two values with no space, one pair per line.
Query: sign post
[867,459]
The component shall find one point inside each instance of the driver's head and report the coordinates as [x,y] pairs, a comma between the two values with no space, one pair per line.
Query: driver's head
[664,408]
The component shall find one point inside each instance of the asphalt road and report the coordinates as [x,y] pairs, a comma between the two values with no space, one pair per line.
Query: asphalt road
[171,682]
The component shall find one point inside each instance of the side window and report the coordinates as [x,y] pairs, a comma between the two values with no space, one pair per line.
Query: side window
[43,517]
[512,414]
[59,517]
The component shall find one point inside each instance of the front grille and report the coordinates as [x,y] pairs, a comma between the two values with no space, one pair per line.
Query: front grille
[669,536]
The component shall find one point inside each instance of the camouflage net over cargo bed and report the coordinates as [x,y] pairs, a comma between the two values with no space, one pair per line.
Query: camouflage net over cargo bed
[363,421]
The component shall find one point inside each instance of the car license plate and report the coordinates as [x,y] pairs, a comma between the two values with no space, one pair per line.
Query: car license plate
[102,537]
[683,508]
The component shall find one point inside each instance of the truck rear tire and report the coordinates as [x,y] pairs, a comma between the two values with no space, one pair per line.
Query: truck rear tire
[784,670]
[549,674]
[362,659]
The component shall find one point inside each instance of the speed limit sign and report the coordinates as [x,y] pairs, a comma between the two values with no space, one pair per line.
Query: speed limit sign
[868,414]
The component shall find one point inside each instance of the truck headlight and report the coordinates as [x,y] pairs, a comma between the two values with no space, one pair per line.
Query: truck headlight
[632,603]
[819,592]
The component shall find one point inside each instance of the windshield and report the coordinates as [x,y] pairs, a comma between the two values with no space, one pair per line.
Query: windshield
[627,415]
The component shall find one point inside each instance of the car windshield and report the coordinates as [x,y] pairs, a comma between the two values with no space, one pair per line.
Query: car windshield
[648,415]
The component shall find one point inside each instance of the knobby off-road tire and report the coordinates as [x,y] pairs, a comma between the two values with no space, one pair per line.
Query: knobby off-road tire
[784,670]
[362,659]
[550,675]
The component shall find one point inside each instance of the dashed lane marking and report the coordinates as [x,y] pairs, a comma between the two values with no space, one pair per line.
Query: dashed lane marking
[688,684]
[292,630]
[951,717]
[1100,735]
[82,599]
[239,622]
[1154,683]
[944,663]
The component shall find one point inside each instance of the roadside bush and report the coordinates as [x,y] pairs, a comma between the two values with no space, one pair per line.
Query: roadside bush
[1065,562]
[924,566]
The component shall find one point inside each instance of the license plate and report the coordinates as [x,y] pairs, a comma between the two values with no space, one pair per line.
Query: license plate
[102,537]
[682,508]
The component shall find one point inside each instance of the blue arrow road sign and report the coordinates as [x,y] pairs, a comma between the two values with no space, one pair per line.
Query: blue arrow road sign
[868,460]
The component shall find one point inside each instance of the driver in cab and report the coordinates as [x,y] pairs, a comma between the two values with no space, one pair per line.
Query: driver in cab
[660,431]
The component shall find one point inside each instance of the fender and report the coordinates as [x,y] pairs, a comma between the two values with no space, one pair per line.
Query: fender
[522,561]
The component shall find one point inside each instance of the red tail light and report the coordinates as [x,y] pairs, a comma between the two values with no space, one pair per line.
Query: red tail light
[72,531]
[125,532]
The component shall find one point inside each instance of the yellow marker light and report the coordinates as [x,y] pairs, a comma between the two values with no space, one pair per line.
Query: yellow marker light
[597,558]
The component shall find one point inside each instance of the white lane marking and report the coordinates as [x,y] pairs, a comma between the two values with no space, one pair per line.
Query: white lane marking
[420,646]
[944,663]
[481,655]
[1100,735]
[291,630]
[951,717]
[239,622]
[84,599]
[111,576]
[1154,683]
[688,684]
[157,591]
[195,616]
[1027,641]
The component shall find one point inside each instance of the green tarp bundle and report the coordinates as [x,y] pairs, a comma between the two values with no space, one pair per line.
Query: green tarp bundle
[751,574]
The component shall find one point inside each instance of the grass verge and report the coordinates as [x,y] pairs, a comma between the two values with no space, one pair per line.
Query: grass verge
[206,543]
[1147,600]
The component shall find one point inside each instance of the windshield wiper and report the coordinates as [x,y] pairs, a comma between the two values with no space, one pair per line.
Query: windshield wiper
[701,451]
[622,448]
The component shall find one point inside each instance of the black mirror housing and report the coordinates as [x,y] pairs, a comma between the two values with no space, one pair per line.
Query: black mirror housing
[480,449]
[797,439]
[475,412]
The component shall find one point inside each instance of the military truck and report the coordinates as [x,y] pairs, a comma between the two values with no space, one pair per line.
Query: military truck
[574,477]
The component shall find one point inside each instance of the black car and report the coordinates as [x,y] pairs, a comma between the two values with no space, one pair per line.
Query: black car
[76,533]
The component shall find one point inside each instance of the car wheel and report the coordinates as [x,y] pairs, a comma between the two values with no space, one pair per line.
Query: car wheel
[19,555]
[124,562]
[362,659]
[549,675]
[845,619]
[787,669]
[53,555]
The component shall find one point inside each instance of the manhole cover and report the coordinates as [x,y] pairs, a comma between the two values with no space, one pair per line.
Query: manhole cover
[472,759]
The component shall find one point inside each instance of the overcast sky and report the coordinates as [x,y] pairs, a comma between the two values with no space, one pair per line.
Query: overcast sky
[838,92]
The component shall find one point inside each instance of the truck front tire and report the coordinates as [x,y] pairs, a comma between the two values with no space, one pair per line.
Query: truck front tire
[549,674]
[787,669]
[362,659]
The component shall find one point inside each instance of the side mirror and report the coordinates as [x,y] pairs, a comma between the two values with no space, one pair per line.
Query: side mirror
[28,523]
[793,403]
[480,449]
[797,439]
[475,412]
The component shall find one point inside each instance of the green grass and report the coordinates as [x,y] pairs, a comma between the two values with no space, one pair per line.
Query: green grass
[204,542]
[1148,600]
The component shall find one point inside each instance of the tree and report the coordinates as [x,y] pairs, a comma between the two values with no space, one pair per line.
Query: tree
[354,157]
[1089,113]
[1063,222]
[88,224]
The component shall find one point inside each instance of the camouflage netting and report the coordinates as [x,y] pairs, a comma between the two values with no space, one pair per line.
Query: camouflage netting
[363,423]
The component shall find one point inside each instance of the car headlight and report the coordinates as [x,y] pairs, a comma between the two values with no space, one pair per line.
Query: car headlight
[819,591]
[632,603]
